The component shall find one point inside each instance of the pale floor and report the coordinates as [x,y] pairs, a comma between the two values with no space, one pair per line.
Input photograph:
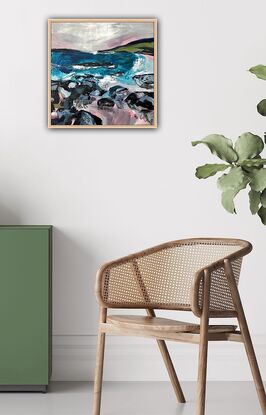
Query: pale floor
[131,398]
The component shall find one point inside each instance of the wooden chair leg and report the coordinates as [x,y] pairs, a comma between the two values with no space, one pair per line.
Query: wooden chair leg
[246,336]
[99,366]
[169,365]
[171,371]
[203,347]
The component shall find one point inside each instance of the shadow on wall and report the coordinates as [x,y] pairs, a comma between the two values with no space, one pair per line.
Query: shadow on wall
[74,306]
[8,217]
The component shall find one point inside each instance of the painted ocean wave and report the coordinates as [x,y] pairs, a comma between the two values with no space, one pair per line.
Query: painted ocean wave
[120,66]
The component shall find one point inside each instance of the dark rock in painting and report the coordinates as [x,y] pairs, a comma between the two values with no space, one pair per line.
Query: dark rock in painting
[64,116]
[105,103]
[139,98]
[132,98]
[145,81]
[146,102]
[82,89]
[92,85]
[149,115]
[68,103]
[55,97]
[82,101]
[86,118]
[86,88]
[118,92]
[74,94]
[96,93]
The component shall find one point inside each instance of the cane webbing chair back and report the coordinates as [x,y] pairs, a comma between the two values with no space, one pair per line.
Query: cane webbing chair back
[169,276]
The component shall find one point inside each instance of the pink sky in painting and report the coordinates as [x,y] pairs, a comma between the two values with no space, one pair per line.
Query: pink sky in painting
[122,40]
[95,36]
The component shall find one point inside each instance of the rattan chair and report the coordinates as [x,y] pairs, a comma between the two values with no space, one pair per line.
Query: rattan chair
[199,275]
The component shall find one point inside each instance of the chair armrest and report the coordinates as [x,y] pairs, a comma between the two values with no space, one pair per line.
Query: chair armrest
[221,304]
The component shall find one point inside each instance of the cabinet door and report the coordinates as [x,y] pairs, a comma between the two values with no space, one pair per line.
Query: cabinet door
[24,306]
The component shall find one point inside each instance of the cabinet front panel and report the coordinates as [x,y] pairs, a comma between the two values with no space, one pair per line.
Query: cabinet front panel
[24,306]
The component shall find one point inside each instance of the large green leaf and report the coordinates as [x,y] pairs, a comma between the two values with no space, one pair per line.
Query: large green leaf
[261,107]
[252,162]
[254,201]
[220,146]
[248,146]
[259,71]
[231,184]
[258,180]
[263,198]
[262,214]
[228,200]
[202,172]
[233,180]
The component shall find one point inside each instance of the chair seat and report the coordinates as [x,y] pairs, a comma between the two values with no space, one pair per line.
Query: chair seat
[163,324]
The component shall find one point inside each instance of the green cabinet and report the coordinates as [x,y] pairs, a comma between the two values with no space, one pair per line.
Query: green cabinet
[25,307]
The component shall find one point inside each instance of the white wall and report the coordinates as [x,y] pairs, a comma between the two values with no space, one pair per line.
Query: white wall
[109,193]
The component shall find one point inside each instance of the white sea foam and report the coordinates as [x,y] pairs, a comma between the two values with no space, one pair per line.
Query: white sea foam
[82,67]
[79,67]
[107,81]
[142,65]
[138,65]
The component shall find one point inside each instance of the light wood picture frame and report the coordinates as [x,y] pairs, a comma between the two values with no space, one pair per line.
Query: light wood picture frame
[102,73]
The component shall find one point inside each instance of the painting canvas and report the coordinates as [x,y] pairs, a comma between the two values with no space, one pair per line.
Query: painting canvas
[102,73]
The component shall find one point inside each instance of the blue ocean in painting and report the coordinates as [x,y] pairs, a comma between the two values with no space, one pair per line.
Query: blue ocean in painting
[121,66]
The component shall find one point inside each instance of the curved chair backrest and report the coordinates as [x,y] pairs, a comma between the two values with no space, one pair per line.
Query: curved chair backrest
[169,276]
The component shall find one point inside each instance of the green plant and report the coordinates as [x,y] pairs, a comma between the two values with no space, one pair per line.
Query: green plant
[245,167]
[243,161]
[260,72]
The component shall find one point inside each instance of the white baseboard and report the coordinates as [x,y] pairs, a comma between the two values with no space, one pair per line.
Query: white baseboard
[134,359]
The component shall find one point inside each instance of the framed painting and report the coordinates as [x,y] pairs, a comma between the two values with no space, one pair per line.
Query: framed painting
[102,73]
